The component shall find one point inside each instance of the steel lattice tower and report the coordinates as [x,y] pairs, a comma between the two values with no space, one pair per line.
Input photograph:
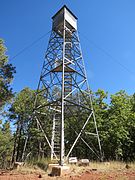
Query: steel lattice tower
[63,83]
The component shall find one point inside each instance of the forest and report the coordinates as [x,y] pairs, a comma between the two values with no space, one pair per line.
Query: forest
[115,116]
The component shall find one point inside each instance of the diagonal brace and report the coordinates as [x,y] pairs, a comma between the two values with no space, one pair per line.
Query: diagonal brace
[79,135]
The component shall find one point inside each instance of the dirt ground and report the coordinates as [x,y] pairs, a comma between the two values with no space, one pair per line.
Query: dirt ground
[95,172]
[88,175]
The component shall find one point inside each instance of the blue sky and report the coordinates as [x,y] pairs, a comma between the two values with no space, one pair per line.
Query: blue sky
[107,34]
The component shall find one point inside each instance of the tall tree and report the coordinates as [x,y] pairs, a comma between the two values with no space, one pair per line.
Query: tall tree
[6,145]
[27,128]
[6,76]
[115,121]
[117,139]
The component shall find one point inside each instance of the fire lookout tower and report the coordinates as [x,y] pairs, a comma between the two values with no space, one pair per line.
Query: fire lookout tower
[63,84]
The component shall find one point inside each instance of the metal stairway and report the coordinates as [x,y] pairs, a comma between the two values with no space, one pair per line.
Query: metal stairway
[67,85]
[55,143]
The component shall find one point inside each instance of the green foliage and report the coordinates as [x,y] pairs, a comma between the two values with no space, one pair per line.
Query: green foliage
[21,113]
[6,145]
[23,103]
[6,76]
[115,121]
[115,135]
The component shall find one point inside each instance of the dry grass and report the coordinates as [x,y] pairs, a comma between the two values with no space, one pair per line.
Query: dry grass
[101,170]
[104,168]
[29,169]
[113,166]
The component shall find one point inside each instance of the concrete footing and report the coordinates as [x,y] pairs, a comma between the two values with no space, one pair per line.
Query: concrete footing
[17,165]
[58,170]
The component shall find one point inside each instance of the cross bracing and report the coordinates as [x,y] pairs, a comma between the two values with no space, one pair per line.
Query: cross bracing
[64,86]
